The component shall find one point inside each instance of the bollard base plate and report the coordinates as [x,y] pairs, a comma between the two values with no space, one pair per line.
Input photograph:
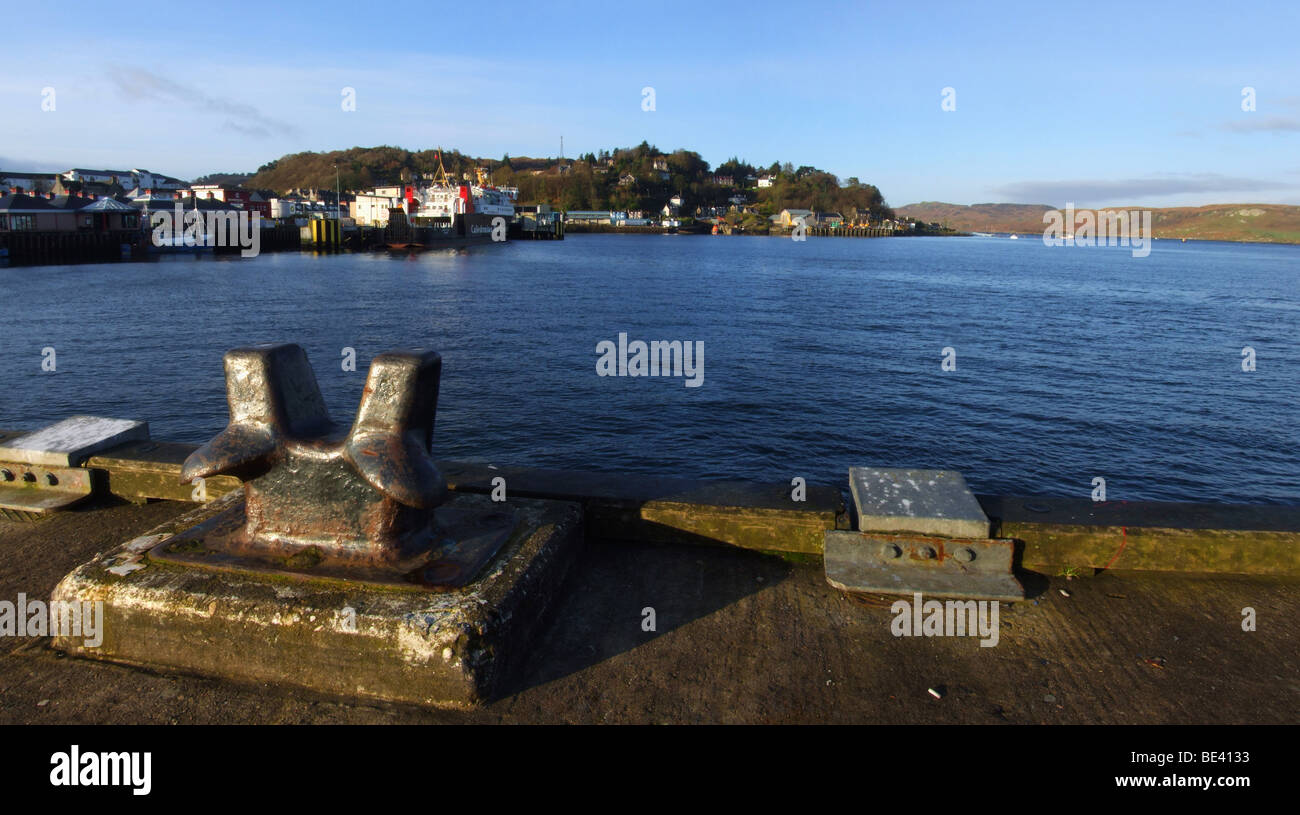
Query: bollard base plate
[449,648]
[464,541]
[976,568]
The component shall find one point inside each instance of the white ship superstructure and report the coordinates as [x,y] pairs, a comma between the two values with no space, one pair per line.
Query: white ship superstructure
[444,199]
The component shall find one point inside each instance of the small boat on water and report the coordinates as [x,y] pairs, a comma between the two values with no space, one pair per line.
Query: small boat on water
[1015,237]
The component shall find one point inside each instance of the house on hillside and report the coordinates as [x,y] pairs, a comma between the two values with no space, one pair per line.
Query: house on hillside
[27,182]
[63,186]
[673,208]
[126,179]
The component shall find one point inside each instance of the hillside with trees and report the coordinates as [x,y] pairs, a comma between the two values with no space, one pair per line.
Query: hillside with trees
[636,178]
[224,179]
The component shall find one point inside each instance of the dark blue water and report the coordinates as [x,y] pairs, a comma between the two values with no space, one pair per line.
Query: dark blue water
[1071,362]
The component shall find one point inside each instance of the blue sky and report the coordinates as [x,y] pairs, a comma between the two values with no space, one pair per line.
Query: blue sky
[1096,103]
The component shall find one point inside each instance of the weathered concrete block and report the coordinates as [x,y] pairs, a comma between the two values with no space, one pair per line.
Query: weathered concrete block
[927,502]
[451,648]
[71,441]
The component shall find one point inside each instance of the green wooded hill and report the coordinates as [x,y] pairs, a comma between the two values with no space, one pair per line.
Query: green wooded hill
[636,178]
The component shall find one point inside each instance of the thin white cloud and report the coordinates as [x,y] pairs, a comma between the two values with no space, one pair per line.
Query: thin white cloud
[1251,123]
[243,118]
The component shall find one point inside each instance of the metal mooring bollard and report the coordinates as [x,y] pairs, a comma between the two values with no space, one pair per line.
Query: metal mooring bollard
[321,500]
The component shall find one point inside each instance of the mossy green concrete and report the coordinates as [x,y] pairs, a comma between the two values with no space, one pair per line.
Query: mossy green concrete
[1149,535]
[762,529]
[1050,547]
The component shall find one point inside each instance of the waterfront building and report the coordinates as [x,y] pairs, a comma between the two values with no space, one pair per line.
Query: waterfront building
[832,219]
[20,212]
[373,208]
[248,200]
[153,201]
[286,206]
[580,216]
[107,215]
[74,212]
[787,217]
[148,199]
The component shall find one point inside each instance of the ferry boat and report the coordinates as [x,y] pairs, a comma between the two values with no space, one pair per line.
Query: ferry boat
[444,212]
[464,211]
[442,199]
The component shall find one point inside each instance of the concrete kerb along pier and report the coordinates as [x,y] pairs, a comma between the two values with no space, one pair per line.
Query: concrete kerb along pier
[1050,533]
[315,589]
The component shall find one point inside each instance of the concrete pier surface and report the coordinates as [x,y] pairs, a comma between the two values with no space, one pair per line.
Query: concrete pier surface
[740,636]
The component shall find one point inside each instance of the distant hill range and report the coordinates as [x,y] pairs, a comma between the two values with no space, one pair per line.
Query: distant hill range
[1261,223]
